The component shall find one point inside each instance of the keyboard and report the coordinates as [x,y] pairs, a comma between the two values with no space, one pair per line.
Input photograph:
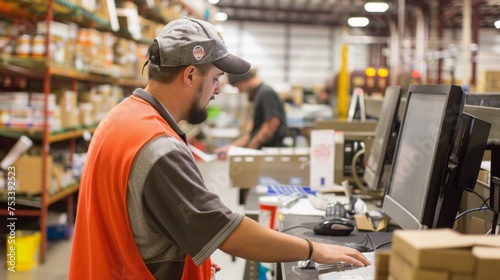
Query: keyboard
[321,201]
[344,270]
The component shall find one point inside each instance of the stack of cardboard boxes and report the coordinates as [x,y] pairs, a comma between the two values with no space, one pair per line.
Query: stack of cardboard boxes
[440,254]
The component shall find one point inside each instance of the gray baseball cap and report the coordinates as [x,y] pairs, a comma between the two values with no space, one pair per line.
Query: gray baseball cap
[189,41]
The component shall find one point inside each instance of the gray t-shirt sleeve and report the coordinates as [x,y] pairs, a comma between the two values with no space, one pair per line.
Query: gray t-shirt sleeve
[178,204]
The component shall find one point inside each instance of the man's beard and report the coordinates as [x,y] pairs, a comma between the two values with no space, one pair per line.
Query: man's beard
[197,115]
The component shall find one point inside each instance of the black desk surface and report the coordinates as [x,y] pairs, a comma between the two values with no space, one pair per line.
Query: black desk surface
[291,271]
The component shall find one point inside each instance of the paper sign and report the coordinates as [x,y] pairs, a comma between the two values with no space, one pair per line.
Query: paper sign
[322,154]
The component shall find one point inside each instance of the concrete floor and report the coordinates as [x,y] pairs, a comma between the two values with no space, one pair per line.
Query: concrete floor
[57,262]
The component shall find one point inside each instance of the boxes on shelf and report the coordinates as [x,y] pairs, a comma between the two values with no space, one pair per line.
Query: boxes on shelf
[67,102]
[29,174]
[60,35]
[23,252]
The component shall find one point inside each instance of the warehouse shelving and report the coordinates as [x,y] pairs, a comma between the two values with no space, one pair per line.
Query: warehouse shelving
[45,70]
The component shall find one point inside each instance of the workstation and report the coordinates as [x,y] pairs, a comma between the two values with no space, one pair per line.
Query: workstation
[430,168]
[392,110]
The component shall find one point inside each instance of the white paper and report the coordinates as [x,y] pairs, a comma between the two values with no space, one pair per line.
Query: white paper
[202,155]
[322,154]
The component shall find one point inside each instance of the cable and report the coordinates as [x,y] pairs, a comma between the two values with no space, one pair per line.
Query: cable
[494,224]
[471,210]
[370,240]
[364,190]
[383,244]
[485,201]
[287,229]
[495,213]
[354,172]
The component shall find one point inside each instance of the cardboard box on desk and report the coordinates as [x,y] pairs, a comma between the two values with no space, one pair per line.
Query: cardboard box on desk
[442,249]
[488,260]
[286,166]
[400,269]
[461,256]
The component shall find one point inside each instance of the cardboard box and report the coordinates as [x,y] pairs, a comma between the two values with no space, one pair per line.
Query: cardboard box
[442,249]
[488,261]
[29,174]
[285,166]
[461,255]
[462,277]
[382,259]
[400,269]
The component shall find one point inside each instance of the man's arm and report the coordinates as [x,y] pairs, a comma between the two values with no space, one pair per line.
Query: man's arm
[253,241]
[265,133]
[242,141]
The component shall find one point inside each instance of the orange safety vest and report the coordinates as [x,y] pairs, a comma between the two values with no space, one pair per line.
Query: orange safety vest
[103,244]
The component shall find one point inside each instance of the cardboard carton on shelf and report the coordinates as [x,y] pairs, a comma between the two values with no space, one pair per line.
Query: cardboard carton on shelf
[29,174]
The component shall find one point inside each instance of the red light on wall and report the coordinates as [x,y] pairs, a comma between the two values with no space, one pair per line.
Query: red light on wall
[415,74]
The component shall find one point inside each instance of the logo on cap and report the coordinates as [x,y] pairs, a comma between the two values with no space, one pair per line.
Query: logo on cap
[198,52]
[220,36]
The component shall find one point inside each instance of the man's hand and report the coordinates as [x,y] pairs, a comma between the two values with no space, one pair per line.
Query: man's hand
[327,253]
[221,152]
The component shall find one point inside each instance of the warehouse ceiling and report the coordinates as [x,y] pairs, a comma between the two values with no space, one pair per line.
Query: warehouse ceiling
[336,12]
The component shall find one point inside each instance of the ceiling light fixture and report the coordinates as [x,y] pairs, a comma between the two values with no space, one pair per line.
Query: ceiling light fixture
[358,21]
[213,1]
[220,16]
[497,24]
[376,7]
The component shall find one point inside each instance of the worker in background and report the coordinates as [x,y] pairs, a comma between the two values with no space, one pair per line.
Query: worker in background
[144,211]
[268,127]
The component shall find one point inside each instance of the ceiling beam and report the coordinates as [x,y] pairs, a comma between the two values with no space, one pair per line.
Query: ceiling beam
[458,10]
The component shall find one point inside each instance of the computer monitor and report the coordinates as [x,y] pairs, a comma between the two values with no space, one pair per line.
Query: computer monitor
[386,132]
[487,99]
[357,105]
[422,155]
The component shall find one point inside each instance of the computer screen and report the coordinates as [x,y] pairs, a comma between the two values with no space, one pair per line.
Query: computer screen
[487,99]
[386,131]
[421,155]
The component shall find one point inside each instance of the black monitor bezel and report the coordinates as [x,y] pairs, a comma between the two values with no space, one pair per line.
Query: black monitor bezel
[390,108]
[455,99]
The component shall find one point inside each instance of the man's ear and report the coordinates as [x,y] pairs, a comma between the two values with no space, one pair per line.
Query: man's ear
[188,75]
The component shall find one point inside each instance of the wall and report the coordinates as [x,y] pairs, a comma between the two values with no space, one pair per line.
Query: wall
[287,55]
[307,55]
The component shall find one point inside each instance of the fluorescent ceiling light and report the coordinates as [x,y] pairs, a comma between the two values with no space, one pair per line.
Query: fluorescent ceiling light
[358,21]
[213,1]
[220,16]
[497,24]
[376,7]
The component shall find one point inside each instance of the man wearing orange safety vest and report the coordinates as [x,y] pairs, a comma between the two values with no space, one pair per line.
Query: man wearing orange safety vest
[144,211]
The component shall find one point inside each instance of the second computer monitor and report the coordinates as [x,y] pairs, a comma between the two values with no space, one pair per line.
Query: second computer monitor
[421,155]
[385,133]
[488,99]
